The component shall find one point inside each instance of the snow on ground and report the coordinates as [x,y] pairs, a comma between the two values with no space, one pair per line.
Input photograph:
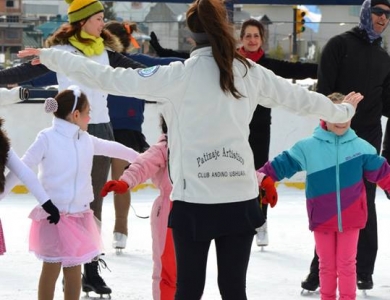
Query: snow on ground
[274,274]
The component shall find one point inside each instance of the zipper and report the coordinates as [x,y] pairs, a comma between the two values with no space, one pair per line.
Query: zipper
[339,218]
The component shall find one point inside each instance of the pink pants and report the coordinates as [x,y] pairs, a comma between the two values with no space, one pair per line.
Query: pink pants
[337,257]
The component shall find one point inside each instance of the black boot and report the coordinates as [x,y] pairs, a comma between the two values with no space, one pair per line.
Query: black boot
[364,281]
[91,280]
[311,283]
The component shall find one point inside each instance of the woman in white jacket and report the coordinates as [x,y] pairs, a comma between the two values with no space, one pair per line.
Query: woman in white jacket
[207,103]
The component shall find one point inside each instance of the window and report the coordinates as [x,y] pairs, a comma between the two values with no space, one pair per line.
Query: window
[13,19]
[12,34]
[10,3]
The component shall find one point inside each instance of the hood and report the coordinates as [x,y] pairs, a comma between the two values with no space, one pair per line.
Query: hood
[330,137]
[362,34]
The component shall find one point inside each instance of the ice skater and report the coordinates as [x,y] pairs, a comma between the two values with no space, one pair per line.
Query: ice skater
[336,161]
[64,153]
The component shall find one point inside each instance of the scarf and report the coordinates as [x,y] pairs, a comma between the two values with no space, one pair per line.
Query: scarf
[255,56]
[90,49]
[366,21]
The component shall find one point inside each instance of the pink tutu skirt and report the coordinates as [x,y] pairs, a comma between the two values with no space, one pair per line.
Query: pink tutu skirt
[2,240]
[75,239]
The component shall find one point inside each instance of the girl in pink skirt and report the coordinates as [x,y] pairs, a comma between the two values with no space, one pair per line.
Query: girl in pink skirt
[9,159]
[64,154]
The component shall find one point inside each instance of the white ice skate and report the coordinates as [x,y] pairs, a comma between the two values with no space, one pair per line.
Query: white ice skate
[119,242]
[262,236]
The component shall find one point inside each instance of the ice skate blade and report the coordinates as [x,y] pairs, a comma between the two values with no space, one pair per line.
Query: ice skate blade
[101,296]
[308,293]
[364,293]
[119,251]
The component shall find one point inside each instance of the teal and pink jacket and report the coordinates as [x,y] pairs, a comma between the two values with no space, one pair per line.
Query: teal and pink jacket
[336,167]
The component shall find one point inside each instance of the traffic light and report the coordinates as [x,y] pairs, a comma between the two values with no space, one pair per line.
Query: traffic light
[300,20]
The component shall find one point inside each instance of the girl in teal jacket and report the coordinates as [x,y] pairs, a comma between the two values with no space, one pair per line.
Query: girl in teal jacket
[336,161]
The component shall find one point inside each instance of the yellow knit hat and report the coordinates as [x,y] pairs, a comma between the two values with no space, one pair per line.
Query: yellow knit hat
[82,9]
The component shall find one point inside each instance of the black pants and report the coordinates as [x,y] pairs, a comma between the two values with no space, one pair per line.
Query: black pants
[233,253]
[260,139]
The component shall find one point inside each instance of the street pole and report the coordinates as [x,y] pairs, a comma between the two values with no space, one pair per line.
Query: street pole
[294,36]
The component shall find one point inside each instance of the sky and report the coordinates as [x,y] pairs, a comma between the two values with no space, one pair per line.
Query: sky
[274,273]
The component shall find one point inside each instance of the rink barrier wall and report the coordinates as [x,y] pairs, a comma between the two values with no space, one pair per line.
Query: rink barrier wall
[24,121]
[21,189]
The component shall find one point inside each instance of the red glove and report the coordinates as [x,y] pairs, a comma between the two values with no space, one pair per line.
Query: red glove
[271,195]
[117,186]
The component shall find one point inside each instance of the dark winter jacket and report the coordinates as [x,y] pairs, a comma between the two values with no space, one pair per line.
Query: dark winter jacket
[349,62]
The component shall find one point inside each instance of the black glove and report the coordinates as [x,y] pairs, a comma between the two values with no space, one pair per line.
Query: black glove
[24,93]
[52,210]
[163,52]
[155,44]
[387,194]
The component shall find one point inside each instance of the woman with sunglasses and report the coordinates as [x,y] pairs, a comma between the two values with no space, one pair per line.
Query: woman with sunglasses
[356,60]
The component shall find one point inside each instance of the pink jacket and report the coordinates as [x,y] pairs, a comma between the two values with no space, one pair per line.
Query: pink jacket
[153,164]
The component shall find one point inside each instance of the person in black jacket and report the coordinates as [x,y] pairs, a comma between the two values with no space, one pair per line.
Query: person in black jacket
[356,60]
[252,37]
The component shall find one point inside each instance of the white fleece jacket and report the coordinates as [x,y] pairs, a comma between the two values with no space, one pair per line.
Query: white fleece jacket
[210,160]
[64,154]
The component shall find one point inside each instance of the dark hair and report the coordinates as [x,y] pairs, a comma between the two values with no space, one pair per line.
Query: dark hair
[66,100]
[4,149]
[210,17]
[163,125]
[255,23]
[62,35]
[122,30]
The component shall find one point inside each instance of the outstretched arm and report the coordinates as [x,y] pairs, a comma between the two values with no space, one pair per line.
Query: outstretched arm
[23,72]
[145,166]
[20,171]
[163,52]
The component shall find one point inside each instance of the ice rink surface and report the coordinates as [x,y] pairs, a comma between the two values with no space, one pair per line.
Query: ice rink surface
[273,274]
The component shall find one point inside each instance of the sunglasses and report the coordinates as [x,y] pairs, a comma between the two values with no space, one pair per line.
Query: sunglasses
[380,11]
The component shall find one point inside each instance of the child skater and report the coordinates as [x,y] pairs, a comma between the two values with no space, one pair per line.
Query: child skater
[336,161]
[64,153]
[154,164]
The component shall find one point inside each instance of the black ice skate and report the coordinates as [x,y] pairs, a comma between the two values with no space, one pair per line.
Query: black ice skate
[91,280]
[364,282]
[311,283]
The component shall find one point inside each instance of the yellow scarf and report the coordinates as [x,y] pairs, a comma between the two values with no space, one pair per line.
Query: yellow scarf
[94,48]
